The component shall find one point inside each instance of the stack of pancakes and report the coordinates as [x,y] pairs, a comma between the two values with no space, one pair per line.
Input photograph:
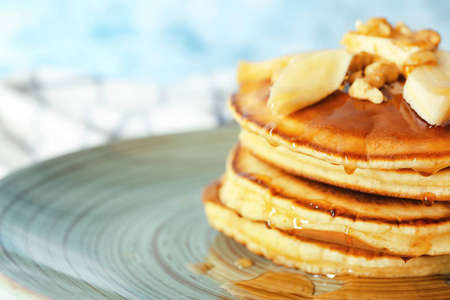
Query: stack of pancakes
[341,187]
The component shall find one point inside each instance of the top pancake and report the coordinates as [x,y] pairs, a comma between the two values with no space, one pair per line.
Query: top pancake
[344,131]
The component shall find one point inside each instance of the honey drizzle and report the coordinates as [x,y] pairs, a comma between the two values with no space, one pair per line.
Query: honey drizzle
[432,287]
[243,263]
[272,285]
[257,178]
[428,198]
[349,170]
[426,173]
[272,191]
[200,268]
[270,127]
[289,285]
[337,211]
[348,238]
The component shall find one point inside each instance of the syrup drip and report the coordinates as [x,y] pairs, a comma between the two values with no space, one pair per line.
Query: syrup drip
[200,268]
[243,263]
[432,287]
[425,174]
[296,222]
[317,203]
[428,198]
[258,178]
[272,143]
[270,127]
[273,191]
[405,259]
[288,285]
[349,170]
[290,232]
[269,224]
[272,285]
[348,238]
[268,201]
[314,205]
[337,211]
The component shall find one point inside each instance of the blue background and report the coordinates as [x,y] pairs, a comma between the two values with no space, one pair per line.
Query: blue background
[166,40]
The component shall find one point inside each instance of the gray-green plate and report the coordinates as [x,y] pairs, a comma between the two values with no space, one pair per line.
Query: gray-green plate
[113,222]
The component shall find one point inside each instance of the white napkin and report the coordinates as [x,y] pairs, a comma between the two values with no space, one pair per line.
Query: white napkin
[50,112]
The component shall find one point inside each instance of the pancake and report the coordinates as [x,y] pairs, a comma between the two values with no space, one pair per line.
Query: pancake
[404,227]
[405,183]
[332,160]
[311,255]
[344,131]
[354,134]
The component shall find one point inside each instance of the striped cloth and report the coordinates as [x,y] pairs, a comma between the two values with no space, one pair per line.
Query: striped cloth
[49,113]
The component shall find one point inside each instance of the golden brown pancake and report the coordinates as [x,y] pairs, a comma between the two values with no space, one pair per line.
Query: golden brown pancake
[260,192]
[311,255]
[405,183]
[351,133]
[346,131]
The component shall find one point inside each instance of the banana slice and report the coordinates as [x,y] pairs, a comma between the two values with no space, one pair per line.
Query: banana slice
[264,70]
[260,71]
[308,79]
[427,90]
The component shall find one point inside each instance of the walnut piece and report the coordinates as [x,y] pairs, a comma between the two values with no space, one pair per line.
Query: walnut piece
[353,76]
[361,89]
[381,72]
[376,75]
[403,29]
[375,27]
[360,61]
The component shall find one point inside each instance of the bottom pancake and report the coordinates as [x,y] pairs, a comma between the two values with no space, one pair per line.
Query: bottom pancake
[314,256]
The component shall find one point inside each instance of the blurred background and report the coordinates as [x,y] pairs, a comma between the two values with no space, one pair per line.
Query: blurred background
[75,74]
[167,40]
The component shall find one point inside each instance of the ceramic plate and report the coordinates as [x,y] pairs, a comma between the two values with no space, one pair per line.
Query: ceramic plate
[123,221]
